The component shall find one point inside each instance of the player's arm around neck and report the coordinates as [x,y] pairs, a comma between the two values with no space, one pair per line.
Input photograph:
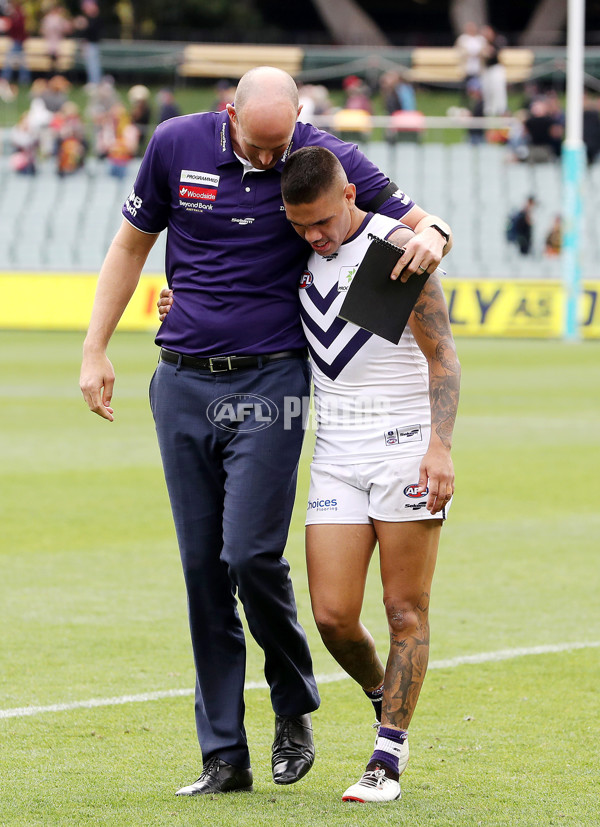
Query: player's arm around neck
[430,325]
[117,281]
[431,242]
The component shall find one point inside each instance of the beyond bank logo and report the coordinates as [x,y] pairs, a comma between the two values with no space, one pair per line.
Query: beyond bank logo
[242,412]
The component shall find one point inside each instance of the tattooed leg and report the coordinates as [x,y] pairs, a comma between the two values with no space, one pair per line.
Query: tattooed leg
[408,555]
[358,658]
[407,661]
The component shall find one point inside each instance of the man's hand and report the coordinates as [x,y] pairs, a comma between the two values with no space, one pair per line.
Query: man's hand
[437,474]
[164,303]
[422,253]
[97,381]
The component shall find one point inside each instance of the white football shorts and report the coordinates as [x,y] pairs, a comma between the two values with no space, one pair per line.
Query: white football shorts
[379,490]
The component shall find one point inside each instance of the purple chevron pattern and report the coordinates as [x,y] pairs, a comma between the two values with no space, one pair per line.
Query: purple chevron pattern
[344,356]
[325,337]
[322,303]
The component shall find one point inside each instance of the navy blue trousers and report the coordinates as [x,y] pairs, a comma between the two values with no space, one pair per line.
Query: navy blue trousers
[231,485]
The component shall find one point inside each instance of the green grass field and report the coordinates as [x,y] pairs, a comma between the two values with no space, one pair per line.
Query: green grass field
[93,607]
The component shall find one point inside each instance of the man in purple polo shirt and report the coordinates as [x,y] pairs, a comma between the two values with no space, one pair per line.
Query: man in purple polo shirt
[232,357]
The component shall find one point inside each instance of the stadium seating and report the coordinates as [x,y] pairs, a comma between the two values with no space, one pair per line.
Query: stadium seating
[66,224]
[232,60]
[37,56]
[445,65]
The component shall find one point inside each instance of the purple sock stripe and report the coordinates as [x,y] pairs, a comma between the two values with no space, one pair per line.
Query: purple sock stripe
[398,735]
[386,758]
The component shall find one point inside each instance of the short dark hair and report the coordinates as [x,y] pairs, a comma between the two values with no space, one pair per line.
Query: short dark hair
[308,173]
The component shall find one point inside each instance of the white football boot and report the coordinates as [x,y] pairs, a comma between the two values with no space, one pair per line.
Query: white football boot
[374,786]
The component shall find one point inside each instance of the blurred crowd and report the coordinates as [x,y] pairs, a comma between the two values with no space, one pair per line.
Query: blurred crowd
[352,118]
[108,129]
[118,130]
[50,20]
[539,126]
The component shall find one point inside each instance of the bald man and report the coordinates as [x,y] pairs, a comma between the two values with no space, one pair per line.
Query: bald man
[230,390]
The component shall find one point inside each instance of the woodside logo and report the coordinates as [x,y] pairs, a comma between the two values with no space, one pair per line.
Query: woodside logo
[198,192]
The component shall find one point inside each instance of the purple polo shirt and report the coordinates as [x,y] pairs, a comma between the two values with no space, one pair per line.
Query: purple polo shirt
[233,260]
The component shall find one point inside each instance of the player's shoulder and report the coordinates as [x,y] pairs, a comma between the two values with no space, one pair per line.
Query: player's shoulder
[185,125]
[384,226]
[306,134]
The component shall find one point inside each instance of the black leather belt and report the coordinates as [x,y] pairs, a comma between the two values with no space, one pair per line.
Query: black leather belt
[220,364]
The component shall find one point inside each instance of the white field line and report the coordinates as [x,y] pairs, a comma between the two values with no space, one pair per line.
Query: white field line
[449,663]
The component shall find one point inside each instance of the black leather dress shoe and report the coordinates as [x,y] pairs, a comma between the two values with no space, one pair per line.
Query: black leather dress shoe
[219,777]
[293,748]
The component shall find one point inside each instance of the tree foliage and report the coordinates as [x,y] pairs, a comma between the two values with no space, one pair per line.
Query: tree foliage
[199,14]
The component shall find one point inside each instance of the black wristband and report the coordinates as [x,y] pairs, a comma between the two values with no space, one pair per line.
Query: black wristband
[443,233]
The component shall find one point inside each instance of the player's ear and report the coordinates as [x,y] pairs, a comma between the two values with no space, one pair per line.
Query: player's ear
[350,194]
[231,111]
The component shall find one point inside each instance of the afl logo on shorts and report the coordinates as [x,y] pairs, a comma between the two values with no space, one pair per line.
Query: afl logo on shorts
[412,491]
[306,279]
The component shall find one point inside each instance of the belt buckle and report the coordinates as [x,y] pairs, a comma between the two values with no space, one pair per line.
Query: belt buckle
[216,369]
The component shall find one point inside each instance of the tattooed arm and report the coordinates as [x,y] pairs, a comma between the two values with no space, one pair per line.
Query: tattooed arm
[430,325]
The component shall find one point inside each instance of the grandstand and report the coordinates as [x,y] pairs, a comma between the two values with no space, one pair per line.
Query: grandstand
[65,224]
[62,224]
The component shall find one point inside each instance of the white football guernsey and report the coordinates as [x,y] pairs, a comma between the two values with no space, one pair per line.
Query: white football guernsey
[371,396]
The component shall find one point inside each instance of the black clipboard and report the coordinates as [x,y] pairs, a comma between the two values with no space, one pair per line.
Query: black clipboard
[373,300]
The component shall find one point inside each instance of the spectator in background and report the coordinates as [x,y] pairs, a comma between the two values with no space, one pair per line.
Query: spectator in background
[518,138]
[167,105]
[306,101]
[13,26]
[471,44]
[353,122]
[224,92]
[40,117]
[89,25]
[531,91]
[557,114]
[314,99]
[545,132]
[71,144]
[397,94]
[101,99]
[521,227]
[56,93]
[121,139]
[55,26]
[475,99]
[553,240]
[357,94]
[140,114]
[591,128]
[493,78]
[24,145]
